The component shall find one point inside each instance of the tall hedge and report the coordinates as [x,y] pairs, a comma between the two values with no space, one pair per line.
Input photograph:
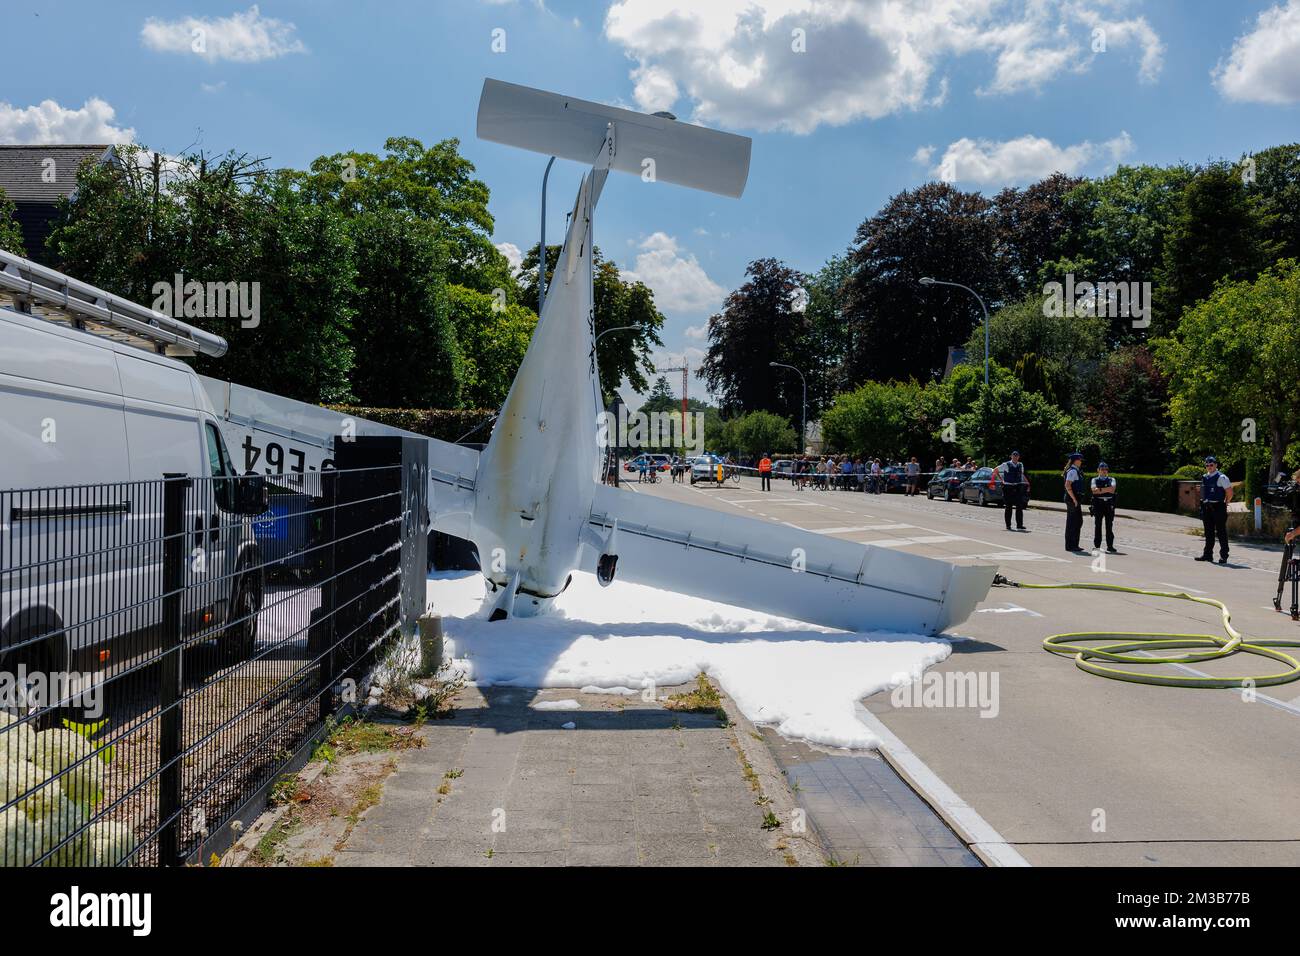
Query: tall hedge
[1134,492]
[447,424]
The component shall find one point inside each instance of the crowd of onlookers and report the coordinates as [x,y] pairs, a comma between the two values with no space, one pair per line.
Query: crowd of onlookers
[862,473]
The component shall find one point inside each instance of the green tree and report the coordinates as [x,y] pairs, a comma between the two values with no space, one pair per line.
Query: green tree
[828,338]
[11,236]
[1033,227]
[759,431]
[300,255]
[1068,349]
[1119,223]
[1008,417]
[1234,360]
[1117,227]
[1216,233]
[661,398]
[433,184]
[759,324]
[407,355]
[1131,412]
[124,227]
[889,420]
[1275,190]
[624,355]
[901,329]
[132,227]
[493,341]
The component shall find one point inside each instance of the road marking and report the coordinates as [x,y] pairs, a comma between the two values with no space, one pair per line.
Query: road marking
[850,529]
[984,841]
[938,538]
[741,501]
[1290,707]
[1007,608]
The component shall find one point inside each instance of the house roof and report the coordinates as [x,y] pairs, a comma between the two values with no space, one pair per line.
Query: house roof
[44,173]
[35,177]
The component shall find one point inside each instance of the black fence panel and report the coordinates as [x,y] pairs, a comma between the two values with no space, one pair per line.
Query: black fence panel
[165,650]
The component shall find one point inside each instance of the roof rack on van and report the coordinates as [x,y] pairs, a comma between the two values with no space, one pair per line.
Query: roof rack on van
[33,289]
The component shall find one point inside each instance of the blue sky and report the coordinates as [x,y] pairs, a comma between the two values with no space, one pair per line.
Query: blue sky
[881,97]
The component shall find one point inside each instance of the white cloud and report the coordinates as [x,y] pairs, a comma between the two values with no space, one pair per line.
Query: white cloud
[48,123]
[677,279]
[1027,158]
[698,333]
[241,37]
[213,87]
[512,254]
[1264,66]
[739,61]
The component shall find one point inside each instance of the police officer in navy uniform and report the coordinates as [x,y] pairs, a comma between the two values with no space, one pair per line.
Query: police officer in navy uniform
[1216,492]
[1073,501]
[1103,507]
[1014,489]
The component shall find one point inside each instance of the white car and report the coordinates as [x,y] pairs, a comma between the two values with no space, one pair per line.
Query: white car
[708,468]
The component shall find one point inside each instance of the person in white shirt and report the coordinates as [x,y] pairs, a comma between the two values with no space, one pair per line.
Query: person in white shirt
[1103,507]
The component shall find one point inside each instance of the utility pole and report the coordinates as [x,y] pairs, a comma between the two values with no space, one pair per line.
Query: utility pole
[684,368]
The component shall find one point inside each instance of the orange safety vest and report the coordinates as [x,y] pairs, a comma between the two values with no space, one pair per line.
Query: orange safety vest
[765,464]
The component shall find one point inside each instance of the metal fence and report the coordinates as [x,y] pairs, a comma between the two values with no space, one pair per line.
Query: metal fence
[164,657]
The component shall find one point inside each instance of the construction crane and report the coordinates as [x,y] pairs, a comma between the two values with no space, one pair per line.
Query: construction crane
[684,368]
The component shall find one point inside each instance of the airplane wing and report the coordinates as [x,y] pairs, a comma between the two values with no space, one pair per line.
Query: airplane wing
[279,435]
[452,470]
[779,569]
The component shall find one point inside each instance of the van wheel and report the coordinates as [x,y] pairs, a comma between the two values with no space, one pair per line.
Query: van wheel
[32,659]
[241,622]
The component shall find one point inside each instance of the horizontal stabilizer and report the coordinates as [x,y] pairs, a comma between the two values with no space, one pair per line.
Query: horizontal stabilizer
[570,128]
[782,570]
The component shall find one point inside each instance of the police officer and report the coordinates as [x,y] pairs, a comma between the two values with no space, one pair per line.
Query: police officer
[1073,475]
[1103,507]
[765,472]
[1216,492]
[1014,489]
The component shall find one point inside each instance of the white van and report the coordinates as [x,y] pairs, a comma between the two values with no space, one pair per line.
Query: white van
[80,409]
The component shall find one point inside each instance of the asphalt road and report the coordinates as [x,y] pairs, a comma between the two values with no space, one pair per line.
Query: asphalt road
[1074,769]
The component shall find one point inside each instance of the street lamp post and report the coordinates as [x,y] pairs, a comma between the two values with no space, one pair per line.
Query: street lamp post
[803,436]
[541,245]
[927,281]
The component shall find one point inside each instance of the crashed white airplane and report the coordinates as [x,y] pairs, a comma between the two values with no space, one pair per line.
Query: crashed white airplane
[533,502]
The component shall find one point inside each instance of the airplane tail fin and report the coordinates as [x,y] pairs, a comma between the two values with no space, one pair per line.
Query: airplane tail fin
[653,147]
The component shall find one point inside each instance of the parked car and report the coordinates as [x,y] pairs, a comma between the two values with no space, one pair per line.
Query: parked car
[123,415]
[708,468]
[894,477]
[947,483]
[982,489]
[657,462]
[783,468]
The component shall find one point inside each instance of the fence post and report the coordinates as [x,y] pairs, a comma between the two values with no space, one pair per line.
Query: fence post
[175,536]
[327,612]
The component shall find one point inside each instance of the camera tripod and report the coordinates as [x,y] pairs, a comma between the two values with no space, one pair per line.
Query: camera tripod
[1289,573]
